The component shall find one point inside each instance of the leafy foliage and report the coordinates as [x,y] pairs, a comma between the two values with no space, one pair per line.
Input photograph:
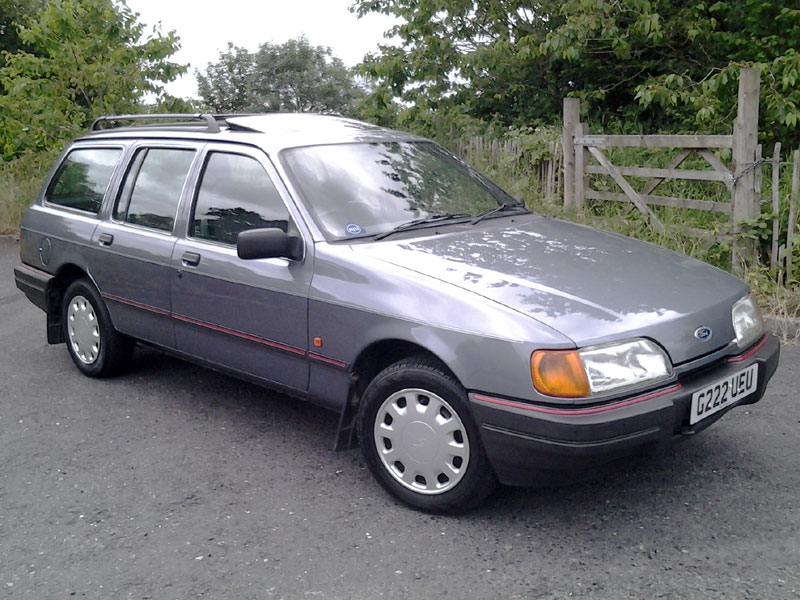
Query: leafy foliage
[691,53]
[661,64]
[13,12]
[80,59]
[474,55]
[293,76]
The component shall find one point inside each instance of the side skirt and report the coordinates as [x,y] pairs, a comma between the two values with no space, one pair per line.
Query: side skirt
[259,381]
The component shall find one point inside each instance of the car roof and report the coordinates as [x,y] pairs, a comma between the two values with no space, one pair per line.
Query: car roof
[270,131]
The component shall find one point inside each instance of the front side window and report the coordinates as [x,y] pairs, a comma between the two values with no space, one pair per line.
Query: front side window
[152,188]
[82,178]
[235,194]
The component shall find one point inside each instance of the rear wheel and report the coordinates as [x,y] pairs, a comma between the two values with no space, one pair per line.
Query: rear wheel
[419,439]
[96,348]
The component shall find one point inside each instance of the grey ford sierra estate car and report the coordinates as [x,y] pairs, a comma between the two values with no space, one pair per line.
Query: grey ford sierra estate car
[463,339]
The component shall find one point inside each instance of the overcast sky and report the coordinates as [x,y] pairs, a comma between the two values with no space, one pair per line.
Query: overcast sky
[205,28]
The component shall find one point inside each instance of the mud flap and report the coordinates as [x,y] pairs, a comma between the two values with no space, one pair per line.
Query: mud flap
[346,430]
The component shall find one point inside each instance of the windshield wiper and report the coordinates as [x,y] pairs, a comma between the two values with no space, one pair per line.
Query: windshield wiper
[520,208]
[423,221]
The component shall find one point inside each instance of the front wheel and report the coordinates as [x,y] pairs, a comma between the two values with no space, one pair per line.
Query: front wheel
[419,439]
[96,348]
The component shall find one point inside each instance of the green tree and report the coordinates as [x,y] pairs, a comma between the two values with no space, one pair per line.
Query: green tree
[477,57]
[79,59]
[226,84]
[13,12]
[689,54]
[662,64]
[293,76]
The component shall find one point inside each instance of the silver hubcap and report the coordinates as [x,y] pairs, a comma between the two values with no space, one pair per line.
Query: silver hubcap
[83,329]
[421,441]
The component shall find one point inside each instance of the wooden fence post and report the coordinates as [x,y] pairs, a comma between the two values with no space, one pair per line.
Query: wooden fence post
[572,115]
[581,129]
[548,176]
[558,157]
[745,140]
[758,176]
[794,200]
[776,207]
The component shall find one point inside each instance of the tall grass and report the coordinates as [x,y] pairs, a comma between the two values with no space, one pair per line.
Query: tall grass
[20,182]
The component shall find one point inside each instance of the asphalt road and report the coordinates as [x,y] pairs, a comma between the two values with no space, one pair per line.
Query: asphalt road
[175,482]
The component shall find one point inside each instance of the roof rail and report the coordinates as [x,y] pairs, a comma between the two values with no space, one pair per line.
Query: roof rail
[211,122]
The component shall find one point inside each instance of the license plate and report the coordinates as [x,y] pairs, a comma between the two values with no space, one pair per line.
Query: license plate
[723,393]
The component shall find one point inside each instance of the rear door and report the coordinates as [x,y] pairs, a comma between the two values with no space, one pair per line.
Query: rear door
[248,315]
[134,247]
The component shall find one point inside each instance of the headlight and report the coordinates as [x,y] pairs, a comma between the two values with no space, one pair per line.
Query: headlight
[747,322]
[597,369]
[622,365]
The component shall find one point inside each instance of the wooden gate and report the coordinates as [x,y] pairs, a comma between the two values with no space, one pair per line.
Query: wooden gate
[742,178]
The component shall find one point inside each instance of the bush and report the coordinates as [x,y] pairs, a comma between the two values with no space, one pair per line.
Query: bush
[20,182]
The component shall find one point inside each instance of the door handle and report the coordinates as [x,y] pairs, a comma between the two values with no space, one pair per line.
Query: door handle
[105,239]
[190,259]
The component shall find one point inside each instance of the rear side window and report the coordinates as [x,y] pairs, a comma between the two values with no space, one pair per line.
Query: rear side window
[152,188]
[235,194]
[82,178]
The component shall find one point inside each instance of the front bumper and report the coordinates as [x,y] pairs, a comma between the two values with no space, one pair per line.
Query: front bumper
[531,445]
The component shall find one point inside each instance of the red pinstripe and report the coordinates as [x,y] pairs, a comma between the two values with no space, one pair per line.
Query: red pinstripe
[579,411]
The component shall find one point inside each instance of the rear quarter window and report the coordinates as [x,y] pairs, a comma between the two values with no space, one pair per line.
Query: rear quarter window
[82,178]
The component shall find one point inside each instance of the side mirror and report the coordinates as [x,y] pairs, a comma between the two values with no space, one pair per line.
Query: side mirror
[270,242]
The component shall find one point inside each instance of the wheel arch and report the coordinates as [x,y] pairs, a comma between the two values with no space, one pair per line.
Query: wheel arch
[382,353]
[56,288]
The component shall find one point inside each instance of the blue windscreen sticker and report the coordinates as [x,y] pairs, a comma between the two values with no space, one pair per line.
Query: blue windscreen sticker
[353,229]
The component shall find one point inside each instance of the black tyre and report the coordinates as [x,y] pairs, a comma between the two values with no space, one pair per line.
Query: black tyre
[420,441]
[96,348]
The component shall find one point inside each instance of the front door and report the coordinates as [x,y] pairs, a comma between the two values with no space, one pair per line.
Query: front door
[247,315]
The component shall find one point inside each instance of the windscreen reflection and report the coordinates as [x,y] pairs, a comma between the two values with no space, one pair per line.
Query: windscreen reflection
[369,188]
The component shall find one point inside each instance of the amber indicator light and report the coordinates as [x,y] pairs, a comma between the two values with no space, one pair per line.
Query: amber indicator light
[559,373]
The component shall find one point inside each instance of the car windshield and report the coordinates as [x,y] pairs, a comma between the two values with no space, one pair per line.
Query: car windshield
[366,189]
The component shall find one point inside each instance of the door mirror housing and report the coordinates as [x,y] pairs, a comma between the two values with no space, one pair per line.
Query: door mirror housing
[270,242]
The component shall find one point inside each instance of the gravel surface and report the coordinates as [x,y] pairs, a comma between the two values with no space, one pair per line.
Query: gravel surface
[175,482]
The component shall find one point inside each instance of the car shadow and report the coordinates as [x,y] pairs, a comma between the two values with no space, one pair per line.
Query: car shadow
[688,483]
[683,472]
[197,388]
